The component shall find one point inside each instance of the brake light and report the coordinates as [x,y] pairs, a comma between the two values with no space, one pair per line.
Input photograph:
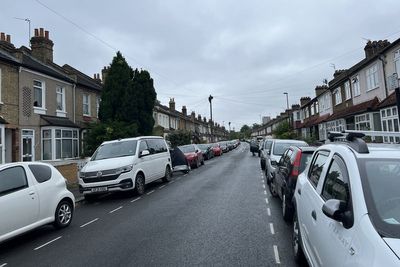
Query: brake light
[296,165]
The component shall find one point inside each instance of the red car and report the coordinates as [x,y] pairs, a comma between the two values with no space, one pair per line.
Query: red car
[193,155]
[217,149]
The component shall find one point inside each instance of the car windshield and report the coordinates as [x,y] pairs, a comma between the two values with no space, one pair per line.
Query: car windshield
[115,150]
[280,147]
[381,183]
[187,149]
[305,159]
[203,147]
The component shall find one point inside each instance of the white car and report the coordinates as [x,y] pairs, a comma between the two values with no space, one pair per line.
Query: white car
[348,206]
[125,165]
[32,194]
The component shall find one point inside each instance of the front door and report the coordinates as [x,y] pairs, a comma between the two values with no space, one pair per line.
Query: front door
[28,141]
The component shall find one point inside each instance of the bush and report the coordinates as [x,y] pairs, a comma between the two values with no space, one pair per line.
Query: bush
[179,138]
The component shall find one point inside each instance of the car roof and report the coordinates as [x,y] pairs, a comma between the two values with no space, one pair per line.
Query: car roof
[289,141]
[132,139]
[384,151]
[307,148]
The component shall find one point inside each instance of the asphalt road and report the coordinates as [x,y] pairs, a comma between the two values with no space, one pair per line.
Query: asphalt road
[217,215]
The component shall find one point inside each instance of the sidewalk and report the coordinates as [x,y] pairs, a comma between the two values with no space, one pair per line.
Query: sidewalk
[74,188]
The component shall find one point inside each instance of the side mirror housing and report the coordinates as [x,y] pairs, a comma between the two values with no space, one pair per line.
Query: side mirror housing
[337,210]
[144,153]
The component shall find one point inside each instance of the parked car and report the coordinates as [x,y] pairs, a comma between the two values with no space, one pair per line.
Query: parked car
[178,160]
[278,147]
[206,150]
[125,165]
[292,163]
[254,146]
[193,154]
[260,145]
[32,194]
[348,206]
[217,151]
[224,147]
[264,152]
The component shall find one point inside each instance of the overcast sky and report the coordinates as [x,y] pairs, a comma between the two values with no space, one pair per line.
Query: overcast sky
[244,53]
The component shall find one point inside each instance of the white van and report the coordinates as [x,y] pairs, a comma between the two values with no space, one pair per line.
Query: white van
[125,164]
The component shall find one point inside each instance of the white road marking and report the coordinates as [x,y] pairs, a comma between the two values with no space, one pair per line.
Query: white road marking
[185,175]
[4,264]
[114,210]
[92,221]
[136,199]
[161,187]
[269,211]
[171,182]
[45,244]
[276,255]
[265,192]
[266,201]
[151,192]
[271,227]
[264,186]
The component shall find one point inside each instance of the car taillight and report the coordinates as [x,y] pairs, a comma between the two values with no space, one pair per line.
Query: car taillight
[296,165]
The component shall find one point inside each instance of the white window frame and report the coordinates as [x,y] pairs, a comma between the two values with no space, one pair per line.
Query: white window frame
[88,104]
[42,109]
[355,82]
[372,77]
[347,90]
[1,102]
[33,143]
[363,119]
[53,139]
[338,96]
[61,112]
[2,144]
[396,62]
[312,109]
[390,120]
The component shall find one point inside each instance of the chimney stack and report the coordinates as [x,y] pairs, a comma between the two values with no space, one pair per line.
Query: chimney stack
[42,46]
[193,115]
[338,72]
[172,104]
[374,47]
[199,117]
[5,42]
[304,100]
[320,89]
[184,110]
[104,73]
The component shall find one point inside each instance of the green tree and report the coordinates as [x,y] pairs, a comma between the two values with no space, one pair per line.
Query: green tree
[284,131]
[179,138]
[246,131]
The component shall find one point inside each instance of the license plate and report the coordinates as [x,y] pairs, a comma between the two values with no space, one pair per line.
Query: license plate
[99,189]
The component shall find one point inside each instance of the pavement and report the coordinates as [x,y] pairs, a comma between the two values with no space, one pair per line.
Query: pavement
[217,215]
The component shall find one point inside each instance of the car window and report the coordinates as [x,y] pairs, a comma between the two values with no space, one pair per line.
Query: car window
[305,160]
[115,150]
[12,179]
[153,145]
[267,145]
[280,147]
[161,146]
[142,146]
[336,184]
[317,167]
[287,158]
[42,173]
[282,159]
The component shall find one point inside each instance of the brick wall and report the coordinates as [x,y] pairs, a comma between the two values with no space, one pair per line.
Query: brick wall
[69,171]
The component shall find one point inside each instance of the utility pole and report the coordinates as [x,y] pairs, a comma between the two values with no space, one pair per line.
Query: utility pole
[210,98]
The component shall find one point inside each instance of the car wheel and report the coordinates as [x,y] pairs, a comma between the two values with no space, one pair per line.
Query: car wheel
[272,188]
[296,241]
[168,174]
[139,184]
[202,162]
[63,214]
[287,212]
[262,166]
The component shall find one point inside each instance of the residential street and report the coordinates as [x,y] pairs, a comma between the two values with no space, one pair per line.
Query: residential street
[217,215]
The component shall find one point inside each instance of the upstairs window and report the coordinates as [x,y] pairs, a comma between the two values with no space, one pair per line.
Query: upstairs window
[347,90]
[60,98]
[39,94]
[356,86]
[86,104]
[338,96]
[0,89]
[397,62]
[372,77]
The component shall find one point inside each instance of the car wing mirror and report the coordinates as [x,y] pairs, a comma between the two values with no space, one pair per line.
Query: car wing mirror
[337,210]
[144,153]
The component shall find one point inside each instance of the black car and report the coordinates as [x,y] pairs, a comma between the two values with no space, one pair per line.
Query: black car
[293,162]
[206,150]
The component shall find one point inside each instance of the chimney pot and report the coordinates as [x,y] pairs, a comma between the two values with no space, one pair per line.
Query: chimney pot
[3,36]
[46,34]
[8,38]
[36,32]
[41,32]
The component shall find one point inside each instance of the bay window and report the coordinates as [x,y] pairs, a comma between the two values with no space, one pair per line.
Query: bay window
[59,143]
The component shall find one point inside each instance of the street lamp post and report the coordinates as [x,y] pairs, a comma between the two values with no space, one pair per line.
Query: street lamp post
[210,98]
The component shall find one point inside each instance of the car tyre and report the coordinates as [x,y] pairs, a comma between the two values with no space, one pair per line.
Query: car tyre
[63,214]
[168,174]
[139,184]
[272,189]
[296,241]
[202,162]
[262,166]
[287,212]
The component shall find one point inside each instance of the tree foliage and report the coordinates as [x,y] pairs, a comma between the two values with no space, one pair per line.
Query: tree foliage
[126,107]
[284,131]
[179,138]
[246,131]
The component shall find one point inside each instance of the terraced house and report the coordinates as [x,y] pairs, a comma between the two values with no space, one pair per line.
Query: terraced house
[44,106]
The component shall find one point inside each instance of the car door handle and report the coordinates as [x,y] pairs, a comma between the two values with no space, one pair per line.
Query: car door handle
[299,191]
[314,215]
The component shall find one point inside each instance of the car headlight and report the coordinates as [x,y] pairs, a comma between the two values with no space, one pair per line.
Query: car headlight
[81,175]
[127,168]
